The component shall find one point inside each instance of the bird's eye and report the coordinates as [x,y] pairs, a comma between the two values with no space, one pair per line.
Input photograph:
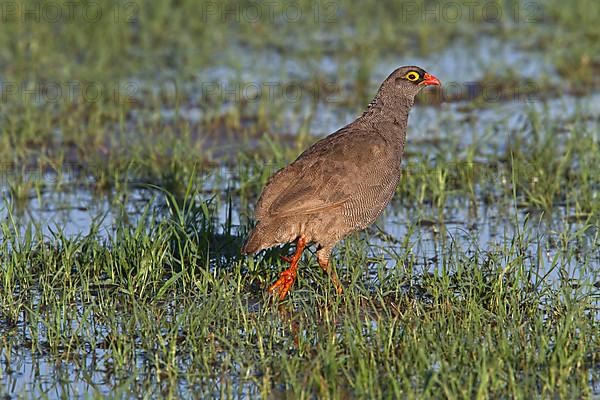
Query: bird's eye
[412,76]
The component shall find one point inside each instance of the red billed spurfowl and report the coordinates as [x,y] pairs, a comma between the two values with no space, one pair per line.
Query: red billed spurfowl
[340,184]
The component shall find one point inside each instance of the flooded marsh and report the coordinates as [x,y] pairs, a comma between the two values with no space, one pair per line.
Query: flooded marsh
[128,194]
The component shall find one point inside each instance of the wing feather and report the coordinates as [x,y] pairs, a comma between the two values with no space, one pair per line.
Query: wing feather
[322,178]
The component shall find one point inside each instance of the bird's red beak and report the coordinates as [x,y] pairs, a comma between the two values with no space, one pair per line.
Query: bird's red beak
[430,80]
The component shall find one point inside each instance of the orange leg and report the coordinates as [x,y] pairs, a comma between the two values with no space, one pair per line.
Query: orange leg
[287,277]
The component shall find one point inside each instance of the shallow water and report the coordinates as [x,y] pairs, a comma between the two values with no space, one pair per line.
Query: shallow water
[467,226]
[467,69]
[75,211]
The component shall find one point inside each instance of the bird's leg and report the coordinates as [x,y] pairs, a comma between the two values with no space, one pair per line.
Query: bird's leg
[323,259]
[287,277]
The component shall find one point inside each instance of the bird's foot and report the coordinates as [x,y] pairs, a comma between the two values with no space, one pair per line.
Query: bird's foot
[284,283]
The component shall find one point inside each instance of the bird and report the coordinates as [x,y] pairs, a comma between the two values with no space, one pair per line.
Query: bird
[341,183]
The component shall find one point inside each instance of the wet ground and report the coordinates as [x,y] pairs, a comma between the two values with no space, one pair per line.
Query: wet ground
[470,112]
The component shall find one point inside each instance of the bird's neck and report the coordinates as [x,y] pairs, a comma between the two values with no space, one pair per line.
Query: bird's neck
[389,113]
[389,107]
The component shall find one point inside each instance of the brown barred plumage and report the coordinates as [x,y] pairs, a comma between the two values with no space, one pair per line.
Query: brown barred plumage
[342,183]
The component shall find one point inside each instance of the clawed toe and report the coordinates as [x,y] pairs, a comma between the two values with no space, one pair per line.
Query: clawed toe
[283,284]
[287,277]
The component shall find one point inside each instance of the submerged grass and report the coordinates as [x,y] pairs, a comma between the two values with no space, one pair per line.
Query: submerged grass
[160,302]
[167,305]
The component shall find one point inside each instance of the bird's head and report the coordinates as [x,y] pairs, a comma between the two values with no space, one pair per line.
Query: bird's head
[408,81]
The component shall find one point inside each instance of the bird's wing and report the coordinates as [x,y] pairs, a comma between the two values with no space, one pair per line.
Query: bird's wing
[324,177]
[314,189]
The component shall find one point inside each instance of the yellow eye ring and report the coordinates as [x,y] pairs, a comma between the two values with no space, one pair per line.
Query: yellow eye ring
[412,76]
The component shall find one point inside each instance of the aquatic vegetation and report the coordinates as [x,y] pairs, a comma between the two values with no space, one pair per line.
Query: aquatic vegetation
[130,166]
